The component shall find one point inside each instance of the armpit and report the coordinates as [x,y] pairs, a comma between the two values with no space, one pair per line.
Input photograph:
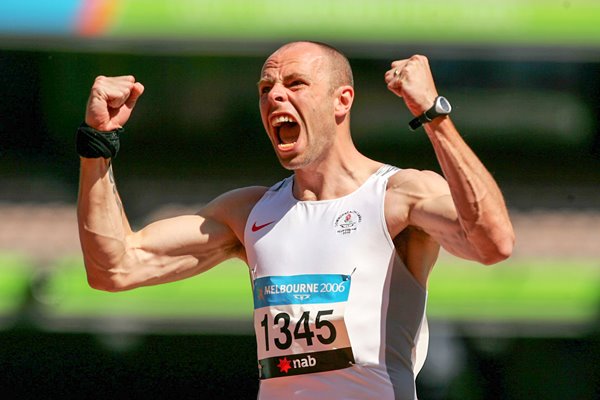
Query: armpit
[418,251]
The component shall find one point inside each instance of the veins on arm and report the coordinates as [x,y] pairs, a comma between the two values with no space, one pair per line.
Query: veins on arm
[435,211]
[111,178]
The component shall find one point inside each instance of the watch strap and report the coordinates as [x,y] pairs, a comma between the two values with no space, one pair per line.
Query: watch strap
[417,122]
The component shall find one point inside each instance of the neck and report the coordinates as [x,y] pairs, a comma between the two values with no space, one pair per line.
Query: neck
[336,175]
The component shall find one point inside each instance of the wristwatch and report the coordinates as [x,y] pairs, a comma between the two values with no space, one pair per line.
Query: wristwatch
[441,106]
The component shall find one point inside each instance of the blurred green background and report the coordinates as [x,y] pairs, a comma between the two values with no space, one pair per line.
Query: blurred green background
[524,81]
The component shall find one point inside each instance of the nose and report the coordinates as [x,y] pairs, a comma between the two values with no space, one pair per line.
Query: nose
[277,93]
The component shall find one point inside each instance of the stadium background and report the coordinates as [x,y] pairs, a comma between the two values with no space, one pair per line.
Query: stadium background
[524,80]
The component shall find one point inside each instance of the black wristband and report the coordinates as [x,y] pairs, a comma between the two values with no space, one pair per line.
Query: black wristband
[92,143]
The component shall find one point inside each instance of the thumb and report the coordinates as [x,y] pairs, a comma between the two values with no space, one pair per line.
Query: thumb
[136,92]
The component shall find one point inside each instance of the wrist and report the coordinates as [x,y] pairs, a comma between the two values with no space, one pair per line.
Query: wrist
[441,108]
[92,143]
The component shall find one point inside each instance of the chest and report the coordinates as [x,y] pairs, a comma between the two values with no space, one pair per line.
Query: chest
[292,238]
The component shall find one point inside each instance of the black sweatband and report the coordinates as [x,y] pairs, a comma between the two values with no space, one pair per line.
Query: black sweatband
[92,143]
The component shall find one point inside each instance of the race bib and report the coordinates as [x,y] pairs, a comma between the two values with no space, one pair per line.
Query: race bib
[299,324]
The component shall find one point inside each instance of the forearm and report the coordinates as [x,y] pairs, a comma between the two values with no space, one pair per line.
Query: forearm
[103,225]
[479,202]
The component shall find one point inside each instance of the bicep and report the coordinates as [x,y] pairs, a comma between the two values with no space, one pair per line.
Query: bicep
[437,217]
[177,248]
[193,235]
[184,246]
[434,212]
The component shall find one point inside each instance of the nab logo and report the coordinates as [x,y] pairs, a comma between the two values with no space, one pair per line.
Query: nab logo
[285,365]
[308,361]
[302,297]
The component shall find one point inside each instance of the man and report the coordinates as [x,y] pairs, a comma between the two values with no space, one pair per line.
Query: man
[339,253]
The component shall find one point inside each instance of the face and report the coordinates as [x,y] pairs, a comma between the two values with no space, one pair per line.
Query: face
[297,104]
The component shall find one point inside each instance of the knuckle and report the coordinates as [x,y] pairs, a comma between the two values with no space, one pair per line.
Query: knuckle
[101,81]
[423,59]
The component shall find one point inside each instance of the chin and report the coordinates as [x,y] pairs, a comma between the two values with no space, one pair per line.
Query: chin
[292,163]
[290,166]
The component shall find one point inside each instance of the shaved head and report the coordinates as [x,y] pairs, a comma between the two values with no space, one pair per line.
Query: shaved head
[339,67]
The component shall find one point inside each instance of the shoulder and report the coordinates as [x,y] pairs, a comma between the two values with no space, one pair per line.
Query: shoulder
[237,200]
[233,207]
[414,182]
[245,194]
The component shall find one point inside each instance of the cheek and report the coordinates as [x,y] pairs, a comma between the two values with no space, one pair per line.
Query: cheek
[262,107]
[323,117]
[263,114]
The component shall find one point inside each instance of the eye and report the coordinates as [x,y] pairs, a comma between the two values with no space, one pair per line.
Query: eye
[297,84]
[264,89]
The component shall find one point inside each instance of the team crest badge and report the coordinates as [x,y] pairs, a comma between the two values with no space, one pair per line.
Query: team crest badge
[347,222]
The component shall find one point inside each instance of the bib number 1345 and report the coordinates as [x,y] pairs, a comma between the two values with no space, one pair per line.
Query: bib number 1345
[301,330]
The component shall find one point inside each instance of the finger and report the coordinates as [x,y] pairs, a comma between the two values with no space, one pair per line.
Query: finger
[396,70]
[399,65]
[119,90]
[126,78]
[395,87]
[117,98]
[392,75]
[389,75]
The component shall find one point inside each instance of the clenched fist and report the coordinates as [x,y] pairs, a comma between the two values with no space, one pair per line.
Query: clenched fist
[111,101]
[412,80]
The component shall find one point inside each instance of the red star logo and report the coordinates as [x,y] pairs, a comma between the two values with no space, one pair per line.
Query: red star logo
[284,365]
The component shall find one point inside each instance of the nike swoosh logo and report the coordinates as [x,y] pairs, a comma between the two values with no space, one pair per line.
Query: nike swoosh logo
[256,228]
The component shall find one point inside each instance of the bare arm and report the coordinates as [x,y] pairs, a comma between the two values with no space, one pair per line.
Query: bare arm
[468,215]
[117,258]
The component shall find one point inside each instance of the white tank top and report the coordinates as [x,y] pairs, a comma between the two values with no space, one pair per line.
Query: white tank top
[337,314]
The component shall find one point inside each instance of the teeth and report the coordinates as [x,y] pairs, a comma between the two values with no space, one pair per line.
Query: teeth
[286,146]
[277,121]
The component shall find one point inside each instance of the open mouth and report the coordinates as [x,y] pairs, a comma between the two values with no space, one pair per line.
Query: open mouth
[287,131]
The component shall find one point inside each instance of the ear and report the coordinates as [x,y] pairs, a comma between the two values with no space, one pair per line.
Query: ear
[343,101]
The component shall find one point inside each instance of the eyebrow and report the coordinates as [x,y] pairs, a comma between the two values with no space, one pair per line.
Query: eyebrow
[287,78]
[265,80]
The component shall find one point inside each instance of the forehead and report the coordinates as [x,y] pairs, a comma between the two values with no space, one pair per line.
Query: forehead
[296,59]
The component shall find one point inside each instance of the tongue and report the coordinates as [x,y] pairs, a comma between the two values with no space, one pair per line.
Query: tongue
[288,133]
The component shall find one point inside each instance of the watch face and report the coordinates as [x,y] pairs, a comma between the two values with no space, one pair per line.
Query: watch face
[443,106]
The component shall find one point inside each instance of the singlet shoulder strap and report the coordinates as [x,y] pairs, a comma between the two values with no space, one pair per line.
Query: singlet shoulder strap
[281,184]
[386,171]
